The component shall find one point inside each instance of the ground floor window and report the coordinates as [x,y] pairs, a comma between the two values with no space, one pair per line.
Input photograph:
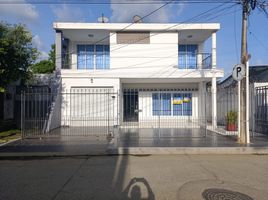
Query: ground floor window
[172,104]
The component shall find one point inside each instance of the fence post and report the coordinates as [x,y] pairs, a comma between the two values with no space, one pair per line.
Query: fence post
[108,128]
[22,113]
[206,113]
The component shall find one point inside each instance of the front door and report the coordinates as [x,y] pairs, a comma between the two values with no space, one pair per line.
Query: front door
[131,106]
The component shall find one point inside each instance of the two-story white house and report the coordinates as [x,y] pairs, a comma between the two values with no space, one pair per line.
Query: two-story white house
[135,74]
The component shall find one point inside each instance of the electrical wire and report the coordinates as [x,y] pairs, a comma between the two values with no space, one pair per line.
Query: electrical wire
[197,17]
[114,1]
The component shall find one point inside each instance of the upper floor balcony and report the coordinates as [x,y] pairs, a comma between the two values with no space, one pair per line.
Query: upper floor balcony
[105,50]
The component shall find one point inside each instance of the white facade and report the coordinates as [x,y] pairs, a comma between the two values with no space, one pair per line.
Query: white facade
[144,68]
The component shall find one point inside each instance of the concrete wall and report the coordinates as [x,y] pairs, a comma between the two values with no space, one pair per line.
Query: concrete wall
[89,102]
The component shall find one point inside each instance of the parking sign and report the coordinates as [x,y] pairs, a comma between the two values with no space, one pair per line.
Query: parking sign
[239,72]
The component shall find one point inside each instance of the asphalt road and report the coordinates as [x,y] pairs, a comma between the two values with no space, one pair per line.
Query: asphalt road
[193,177]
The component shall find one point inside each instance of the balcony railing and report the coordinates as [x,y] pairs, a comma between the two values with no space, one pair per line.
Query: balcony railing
[194,61]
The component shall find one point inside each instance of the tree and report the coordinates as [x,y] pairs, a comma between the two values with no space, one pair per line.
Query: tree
[46,66]
[16,54]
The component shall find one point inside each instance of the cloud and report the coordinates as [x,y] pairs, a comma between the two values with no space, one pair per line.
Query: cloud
[23,12]
[37,42]
[125,12]
[66,13]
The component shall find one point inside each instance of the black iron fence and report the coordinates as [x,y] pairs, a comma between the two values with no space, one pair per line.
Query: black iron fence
[261,110]
[103,112]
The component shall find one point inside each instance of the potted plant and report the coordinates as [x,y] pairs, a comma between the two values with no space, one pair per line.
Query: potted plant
[231,119]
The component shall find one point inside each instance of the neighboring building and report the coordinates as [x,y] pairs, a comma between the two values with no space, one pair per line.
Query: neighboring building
[227,98]
[156,70]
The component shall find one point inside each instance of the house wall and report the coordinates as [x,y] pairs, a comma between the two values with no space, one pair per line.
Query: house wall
[161,51]
[89,101]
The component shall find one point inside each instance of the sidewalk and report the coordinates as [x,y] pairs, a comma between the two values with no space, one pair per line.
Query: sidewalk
[131,144]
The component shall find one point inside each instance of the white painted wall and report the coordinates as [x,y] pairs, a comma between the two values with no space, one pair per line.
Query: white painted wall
[162,51]
[157,59]
[89,102]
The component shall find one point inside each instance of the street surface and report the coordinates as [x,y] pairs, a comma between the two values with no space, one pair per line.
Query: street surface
[180,177]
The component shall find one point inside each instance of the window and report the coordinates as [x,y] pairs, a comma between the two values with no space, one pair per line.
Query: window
[182,104]
[187,56]
[176,104]
[133,37]
[161,104]
[93,56]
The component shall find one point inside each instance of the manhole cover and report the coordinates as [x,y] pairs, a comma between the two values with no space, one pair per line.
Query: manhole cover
[222,194]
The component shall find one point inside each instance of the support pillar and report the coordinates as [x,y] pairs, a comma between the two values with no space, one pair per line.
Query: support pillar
[214,102]
[214,82]
[213,50]
[58,49]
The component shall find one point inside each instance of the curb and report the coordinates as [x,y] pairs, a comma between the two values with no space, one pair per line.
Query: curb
[143,151]
[10,141]
[189,151]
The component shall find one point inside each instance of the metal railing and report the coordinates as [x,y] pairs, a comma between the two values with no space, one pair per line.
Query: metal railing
[227,101]
[194,60]
[261,110]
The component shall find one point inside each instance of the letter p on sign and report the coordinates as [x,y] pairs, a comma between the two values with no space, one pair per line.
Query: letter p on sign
[239,72]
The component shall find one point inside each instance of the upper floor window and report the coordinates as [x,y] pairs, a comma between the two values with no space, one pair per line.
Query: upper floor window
[187,56]
[93,57]
[133,37]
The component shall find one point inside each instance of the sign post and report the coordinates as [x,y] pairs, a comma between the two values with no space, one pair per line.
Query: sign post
[239,72]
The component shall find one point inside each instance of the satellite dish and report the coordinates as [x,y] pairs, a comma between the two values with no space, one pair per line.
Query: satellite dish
[103,19]
[137,19]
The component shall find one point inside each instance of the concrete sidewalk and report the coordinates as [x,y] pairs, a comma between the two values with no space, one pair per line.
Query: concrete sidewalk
[130,145]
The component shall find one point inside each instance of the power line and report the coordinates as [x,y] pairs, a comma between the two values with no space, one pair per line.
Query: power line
[132,2]
[145,16]
[198,17]
[259,41]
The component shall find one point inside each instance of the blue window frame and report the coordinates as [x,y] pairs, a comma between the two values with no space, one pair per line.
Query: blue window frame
[156,104]
[177,107]
[165,103]
[187,58]
[161,104]
[176,104]
[93,57]
[187,104]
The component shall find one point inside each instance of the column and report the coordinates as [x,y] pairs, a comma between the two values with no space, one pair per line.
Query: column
[58,42]
[213,51]
[214,102]
[214,82]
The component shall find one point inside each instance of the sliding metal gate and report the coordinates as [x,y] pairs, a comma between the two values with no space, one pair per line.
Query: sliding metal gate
[78,112]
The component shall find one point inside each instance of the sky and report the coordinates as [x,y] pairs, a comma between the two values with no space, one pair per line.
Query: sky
[39,19]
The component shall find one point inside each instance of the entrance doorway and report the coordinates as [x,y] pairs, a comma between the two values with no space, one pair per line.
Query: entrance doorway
[131,106]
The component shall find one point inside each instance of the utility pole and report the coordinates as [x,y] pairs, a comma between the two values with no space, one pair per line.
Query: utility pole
[244,132]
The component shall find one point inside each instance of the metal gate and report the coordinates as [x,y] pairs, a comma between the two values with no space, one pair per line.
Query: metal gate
[162,113]
[78,112]
[260,122]
[104,112]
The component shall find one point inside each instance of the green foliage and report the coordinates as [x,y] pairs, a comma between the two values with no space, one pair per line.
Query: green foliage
[45,66]
[231,117]
[52,54]
[16,54]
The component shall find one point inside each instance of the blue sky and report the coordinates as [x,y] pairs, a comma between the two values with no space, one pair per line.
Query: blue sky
[39,19]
